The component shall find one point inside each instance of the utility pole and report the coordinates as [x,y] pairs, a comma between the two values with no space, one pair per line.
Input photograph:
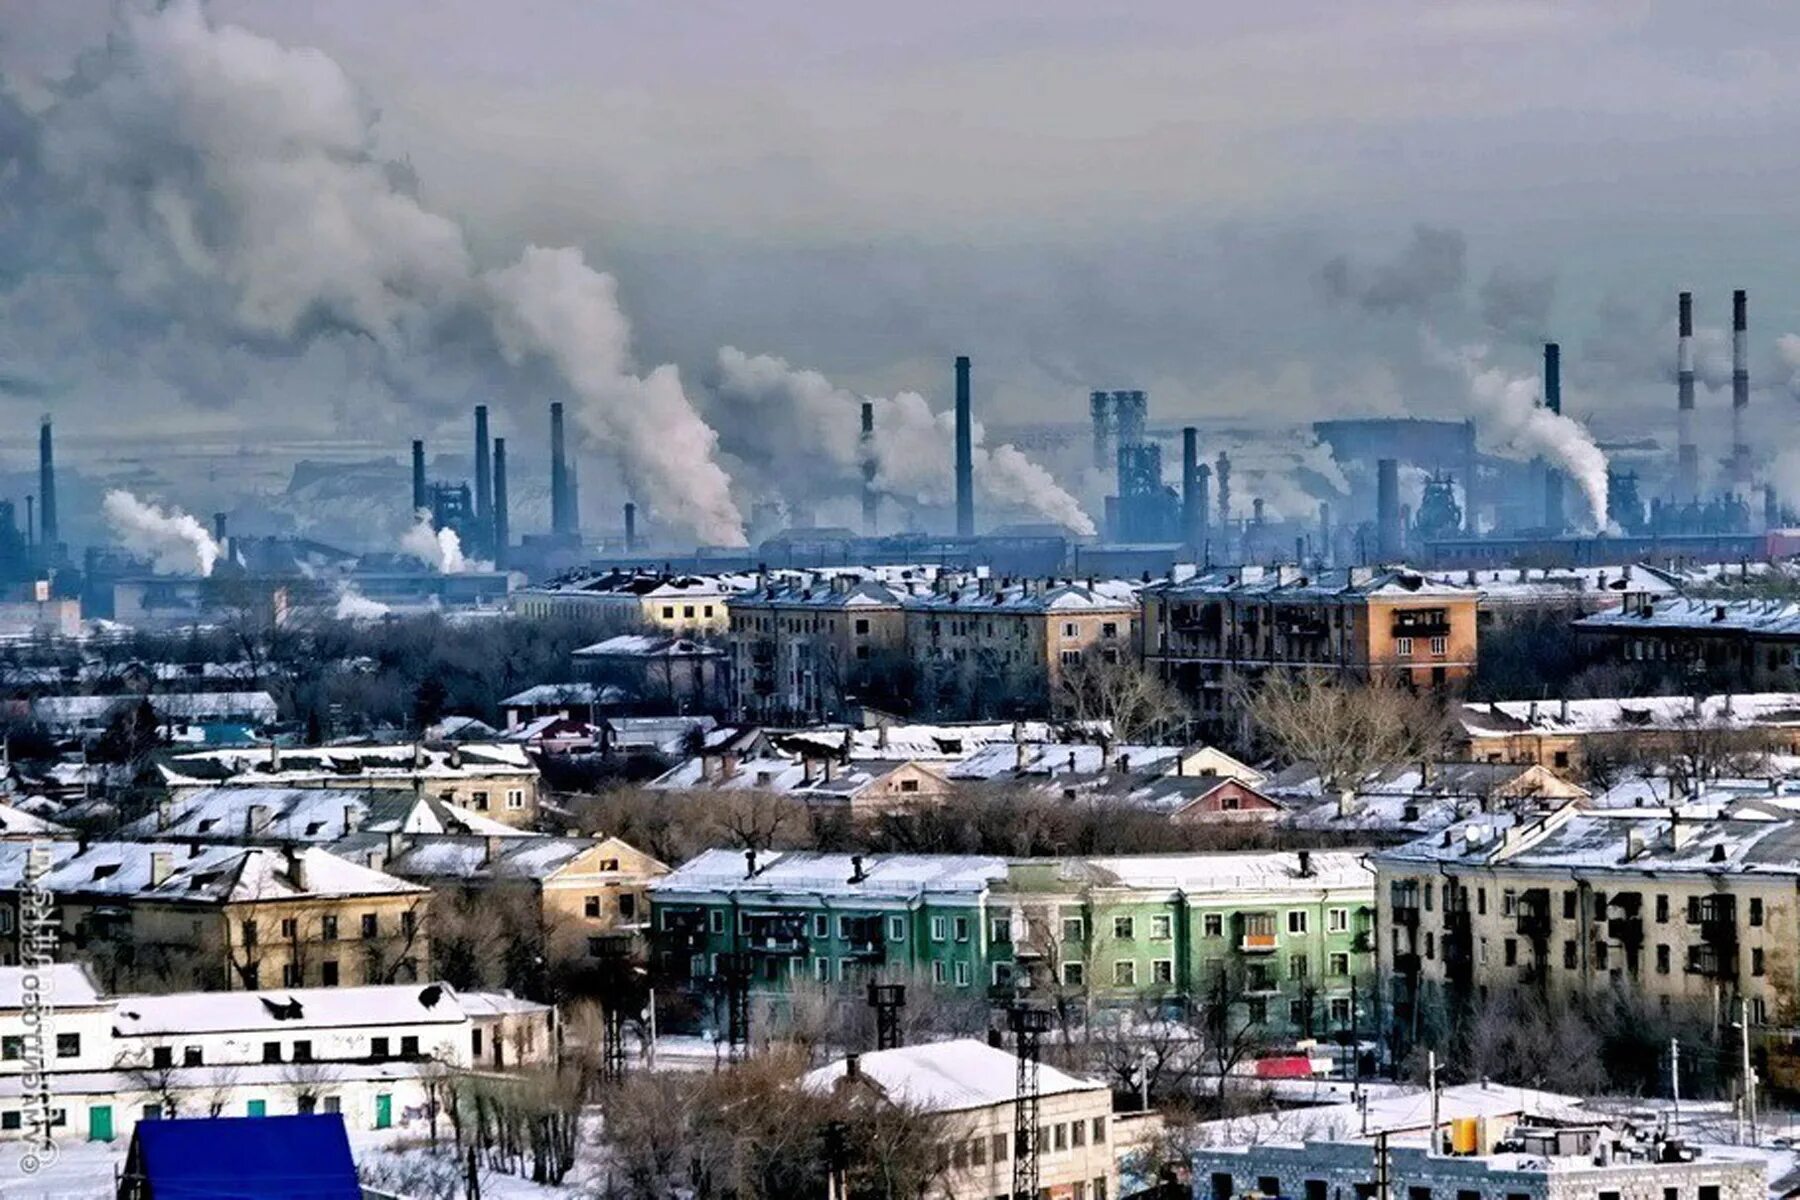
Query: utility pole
[1675,1081]
[1749,1107]
[1431,1077]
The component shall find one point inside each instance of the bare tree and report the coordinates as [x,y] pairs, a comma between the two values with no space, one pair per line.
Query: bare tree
[1347,730]
[1140,705]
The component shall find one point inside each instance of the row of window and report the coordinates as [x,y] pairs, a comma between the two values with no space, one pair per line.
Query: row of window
[1403,647]
[328,928]
[478,800]
[1224,1188]
[1002,929]
[1059,1138]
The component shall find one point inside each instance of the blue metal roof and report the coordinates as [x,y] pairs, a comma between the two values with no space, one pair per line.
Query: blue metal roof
[245,1158]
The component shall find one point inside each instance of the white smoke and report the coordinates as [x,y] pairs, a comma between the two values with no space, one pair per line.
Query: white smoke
[439,549]
[806,432]
[235,197]
[352,605]
[1511,421]
[176,540]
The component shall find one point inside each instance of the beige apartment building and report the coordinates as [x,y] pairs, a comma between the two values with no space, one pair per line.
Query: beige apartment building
[970,1088]
[158,917]
[684,605]
[1016,640]
[1697,915]
[799,650]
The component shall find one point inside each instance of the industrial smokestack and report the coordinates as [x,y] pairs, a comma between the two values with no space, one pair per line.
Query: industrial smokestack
[1771,507]
[418,454]
[1470,468]
[1553,479]
[1324,534]
[1100,408]
[869,502]
[1222,472]
[1193,525]
[1387,510]
[484,479]
[1687,458]
[630,527]
[1203,510]
[220,535]
[965,452]
[501,532]
[46,488]
[1740,389]
[559,472]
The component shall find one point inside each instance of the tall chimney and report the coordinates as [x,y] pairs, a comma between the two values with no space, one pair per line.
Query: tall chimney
[418,452]
[1740,389]
[1222,472]
[1687,458]
[501,532]
[46,488]
[965,452]
[1553,478]
[1387,510]
[1099,407]
[1202,510]
[869,503]
[484,479]
[219,534]
[630,527]
[1324,534]
[1470,465]
[559,472]
[1193,525]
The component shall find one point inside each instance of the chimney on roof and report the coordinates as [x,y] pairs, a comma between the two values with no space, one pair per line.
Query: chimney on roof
[502,529]
[965,452]
[257,821]
[852,1066]
[165,812]
[352,818]
[162,865]
[490,849]
[1306,863]
[857,874]
[296,867]
[750,863]
[396,842]
[376,860]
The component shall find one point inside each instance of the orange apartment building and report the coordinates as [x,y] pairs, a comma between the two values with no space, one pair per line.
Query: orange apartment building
[1208,631]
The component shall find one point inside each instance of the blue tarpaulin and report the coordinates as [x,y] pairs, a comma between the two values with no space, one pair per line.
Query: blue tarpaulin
[241,1158]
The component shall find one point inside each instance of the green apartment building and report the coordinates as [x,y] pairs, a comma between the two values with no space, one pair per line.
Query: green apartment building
[1283,941]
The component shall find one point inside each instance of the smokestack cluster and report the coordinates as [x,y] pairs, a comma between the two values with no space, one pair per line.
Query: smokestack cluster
[869,503]
[1553,478]
[560,522]
[1740,389]
[1687,458]
[1100,409]
[418,464]
[501,531]
[965,452]
[46,489]
[484,480]
[1387,510]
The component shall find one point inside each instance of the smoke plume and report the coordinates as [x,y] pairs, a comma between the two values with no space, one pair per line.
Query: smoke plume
[1431,266]
[176,540]
[805,433]
[439,549]
[352,605]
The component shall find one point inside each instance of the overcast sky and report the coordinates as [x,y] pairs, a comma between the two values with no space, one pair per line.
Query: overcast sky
[1090,194]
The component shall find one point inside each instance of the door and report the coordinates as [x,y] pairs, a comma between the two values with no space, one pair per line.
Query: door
[384,1110]
[256,1108]
[100,1123]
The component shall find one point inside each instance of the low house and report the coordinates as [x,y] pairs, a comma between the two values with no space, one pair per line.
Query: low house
[1181,783]
[971,1090]
[577,701]
[492,778]
[180,716]
[662,672]
[1414,798]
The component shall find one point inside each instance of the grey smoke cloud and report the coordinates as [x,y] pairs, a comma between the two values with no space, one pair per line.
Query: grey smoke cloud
[1516,304]
[1431,266]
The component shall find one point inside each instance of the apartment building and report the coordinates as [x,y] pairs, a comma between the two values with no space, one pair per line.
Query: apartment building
[280,815]
[1567,734]
[970,1089]
[370,1053]
[799,650]
[1689,913]
[162,916]
[493,779]
[1282,941]
[685,605]
[1206,632]
[1749,644]
[1015,640]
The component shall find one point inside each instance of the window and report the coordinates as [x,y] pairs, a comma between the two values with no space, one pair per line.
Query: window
[370,925]
[1662,960]
[1340,1010]
[271,1052]
[1509,903]
[1315,1189]
[1403,647]
[1060,1137]
[290,928]
[822,970]
[249,934]
[997,1144]
[1099,1131]
[1337,964]
[1337,920]
[937,972]
[590,907]
[1268,1185]
[478,801]
[328,973]
[515,798]
[190,1056]
[1756,909]
[1161,929]
[627,910]
[1569,955]
[668,612]
[1662,910]
[940,929]
[290,974]
[1296,966]
[1070,657]
[716,921]
[1440,646]
[896,929]
[1297,920]
[961,926]
[68,1045]
[12,1046]
[1512,952]
[1123,928]
[1756,961]
[1073,975]
[1213,924]
[1073,929]
[1070,629]
[962,974]
[302,1051]
[1077,1134]
[378,1048]
[409,1047]
[1568,904]
[162,1056]
[1125,973]
[862,626]
[999,929]
[328,928]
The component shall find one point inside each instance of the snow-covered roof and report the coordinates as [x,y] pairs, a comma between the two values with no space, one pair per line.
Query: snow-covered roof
[787,872]
[1754,618]
[1500,718]
[286,1009]
[937,742]
[1424,781]
[450,856]
[196,872]
[497,1004]
[64,711]
[1031,596]
[402,761]
[1275,584]
[1252,873]
[1597,586]
[643,646]
[665,735]
[272,814]
[635,585]
[563,693]
[1055,759]
[59,985]
[941,1077]
[840,592]
[16,822]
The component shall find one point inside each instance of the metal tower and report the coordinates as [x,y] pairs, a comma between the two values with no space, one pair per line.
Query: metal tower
[887,999]
[1028,1026]
[734,976]
[617,987]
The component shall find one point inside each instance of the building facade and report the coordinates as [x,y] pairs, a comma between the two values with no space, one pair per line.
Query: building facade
[800,651]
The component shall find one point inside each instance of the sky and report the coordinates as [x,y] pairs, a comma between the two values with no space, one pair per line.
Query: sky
[1260,213]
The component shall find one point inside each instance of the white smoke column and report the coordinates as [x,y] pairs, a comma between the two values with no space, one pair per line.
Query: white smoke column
[1511,421]
[807,432]
[439,549]
[552,303]
[352,605]
[176,540]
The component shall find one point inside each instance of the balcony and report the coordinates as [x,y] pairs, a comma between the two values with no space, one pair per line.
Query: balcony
[1628,931]
[1256,933]
[776,935]
[1712,962]
[1261,983]
[1406,964]
[1257,943]
[1427,623]
[1533,914]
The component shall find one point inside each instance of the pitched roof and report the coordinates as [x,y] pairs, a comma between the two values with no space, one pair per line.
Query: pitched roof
[273,814]
[945,1076]
[271,1158]
[287,1008]
[196,872]
[1499,718]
